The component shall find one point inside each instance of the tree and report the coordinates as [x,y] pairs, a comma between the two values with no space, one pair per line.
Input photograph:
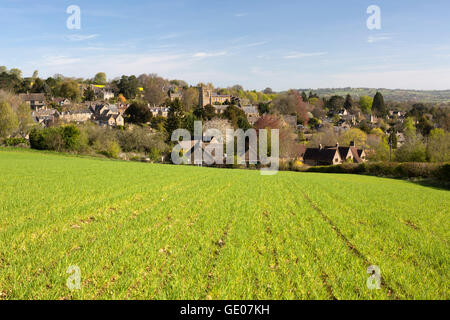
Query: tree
[140,140]
[138,113]
[425,126]
[379,107]
[24,118]
[365,103]
[127,86]
[313,123]
[70,89]
[302,108]
[409,128]
[304,96]
[235,115]
[155,89]
[313,95]
[89,94]
[319,113]
[159,123]
[199,112]
[8,120]
[35,75]
[418,110]
[289,148]
[355,135]
[252,96]
[413,150]
[207,112]
[121,98]
[263,108]
[190,99]
[325,137]
[335,103]
[284,104]
[52,84]
[291,103]
[16,72]
[10,82]
[438,148]
[377,143]
[40,86]
[174,118]
[100,78]
[210,112]
[348,104]
[268,91]
[242,123]
[71,136]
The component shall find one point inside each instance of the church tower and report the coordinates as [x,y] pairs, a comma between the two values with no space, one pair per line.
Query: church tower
[205,93]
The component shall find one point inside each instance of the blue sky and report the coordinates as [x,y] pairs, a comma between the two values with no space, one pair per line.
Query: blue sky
[257,43]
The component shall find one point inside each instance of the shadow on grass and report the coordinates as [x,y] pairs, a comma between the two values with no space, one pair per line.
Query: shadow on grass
[435,184]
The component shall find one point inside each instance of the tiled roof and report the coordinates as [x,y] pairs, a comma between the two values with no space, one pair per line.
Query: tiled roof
[318,154]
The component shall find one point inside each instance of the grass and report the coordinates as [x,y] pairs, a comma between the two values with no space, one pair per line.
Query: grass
[143,231]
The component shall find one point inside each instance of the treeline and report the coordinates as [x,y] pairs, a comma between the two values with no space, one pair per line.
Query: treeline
[15,117]
[435,171]
[91,140]
[395,95]
[150,88]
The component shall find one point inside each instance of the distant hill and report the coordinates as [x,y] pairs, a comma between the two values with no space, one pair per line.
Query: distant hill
[395,95]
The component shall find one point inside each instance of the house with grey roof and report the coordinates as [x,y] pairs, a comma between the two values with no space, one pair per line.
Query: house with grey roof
[34,100]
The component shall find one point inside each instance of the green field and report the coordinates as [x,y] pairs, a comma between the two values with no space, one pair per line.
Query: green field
[144,231]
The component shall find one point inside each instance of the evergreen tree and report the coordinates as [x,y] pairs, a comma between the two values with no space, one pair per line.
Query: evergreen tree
[174,118]
[304,97]
[379,107]
[348,104]
[89,94]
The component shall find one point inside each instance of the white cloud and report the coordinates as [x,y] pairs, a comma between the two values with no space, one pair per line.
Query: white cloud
[299,55]
[373,39]
[80,37]
[249,45]
[59,60]
[209,54]
[241,14]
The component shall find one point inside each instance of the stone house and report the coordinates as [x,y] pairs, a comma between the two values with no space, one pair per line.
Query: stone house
[80,116]
[45,116]
[252,114]
[61,101]
[106,94]
[112,120]
[207,96]
[322,156]
[175,95]
[334,155]
[160,111]
[36,101]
